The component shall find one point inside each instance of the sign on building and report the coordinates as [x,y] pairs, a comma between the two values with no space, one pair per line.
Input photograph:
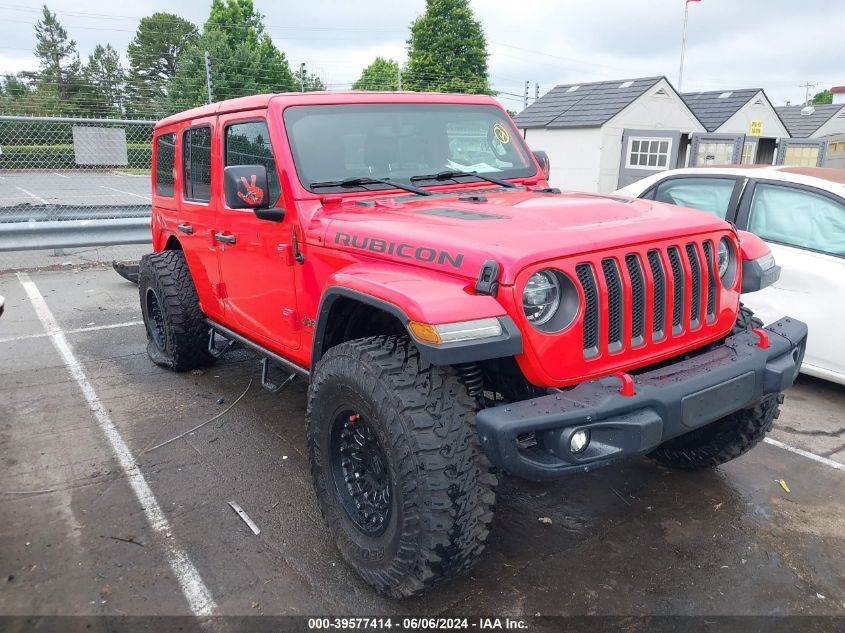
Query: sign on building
[100,146]
[756,128]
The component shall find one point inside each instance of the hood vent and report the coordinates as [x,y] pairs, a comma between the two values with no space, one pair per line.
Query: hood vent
[460,214]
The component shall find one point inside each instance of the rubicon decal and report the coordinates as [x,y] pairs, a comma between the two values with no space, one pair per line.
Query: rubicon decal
[399,249]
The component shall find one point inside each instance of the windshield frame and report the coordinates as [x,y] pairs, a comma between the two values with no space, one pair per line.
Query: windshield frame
[530,171]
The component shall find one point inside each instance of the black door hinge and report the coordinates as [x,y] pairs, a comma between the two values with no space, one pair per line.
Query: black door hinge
[297,254]
[488,279]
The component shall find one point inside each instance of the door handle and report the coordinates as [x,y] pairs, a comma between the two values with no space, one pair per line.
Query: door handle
[226,239]
[186,228]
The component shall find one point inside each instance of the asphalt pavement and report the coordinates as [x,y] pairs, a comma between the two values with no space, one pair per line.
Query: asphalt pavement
[94,519]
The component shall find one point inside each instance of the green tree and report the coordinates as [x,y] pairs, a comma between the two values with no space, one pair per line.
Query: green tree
[104,81]
[57,57]
[244,60]
[313,83]
[382,74]
[825,96]
[159,41]
[447,50]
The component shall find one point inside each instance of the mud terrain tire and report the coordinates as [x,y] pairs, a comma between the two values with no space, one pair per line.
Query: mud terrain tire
[441,490]
[723,440]
[177,335]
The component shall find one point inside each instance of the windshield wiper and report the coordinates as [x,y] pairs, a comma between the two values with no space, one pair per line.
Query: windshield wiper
[348,183]
[453,174]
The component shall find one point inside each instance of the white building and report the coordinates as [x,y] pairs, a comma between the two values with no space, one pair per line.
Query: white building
[818,132]
[604,135]
[745,113]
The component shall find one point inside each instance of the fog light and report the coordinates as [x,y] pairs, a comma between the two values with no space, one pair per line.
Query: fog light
[580,440]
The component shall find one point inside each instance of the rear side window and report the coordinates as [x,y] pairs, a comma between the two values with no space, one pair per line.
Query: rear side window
[165,161]
[248,143]
[196,163]
[705,194]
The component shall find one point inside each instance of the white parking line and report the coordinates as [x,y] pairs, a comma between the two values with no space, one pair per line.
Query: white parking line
[128,193]
[55,173]
[800,451]
[196,593]
[90,328]
[32,195]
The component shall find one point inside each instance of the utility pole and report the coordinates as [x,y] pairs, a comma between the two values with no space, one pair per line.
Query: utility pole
[208,77]
[525,95]
[536,91]
[302,77]
[807,86]
[683,45]
[399,78]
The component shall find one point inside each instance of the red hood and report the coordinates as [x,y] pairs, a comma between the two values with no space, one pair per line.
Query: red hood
[514,228]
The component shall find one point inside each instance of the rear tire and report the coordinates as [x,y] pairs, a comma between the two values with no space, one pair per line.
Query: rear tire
[429,516]
[177,334]
[721,441]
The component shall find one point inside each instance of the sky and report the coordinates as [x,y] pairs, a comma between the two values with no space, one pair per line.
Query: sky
[777,45]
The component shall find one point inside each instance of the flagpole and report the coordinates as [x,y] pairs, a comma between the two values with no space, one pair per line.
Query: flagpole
[683,45]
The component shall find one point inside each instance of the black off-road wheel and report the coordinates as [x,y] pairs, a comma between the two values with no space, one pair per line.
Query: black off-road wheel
[723,440]
[177,335]
[397,466]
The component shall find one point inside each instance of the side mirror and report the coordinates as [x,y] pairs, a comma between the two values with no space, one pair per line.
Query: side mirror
[543,159]
[246,187]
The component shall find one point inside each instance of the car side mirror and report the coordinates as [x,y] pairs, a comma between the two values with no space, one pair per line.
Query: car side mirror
[247,187]
[543,159]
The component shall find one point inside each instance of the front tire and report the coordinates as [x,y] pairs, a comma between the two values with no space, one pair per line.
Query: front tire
[397,466]
[177,335]
[721,441]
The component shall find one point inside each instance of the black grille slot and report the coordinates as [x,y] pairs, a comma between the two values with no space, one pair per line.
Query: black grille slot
[591,309]
[615,304]
[678,293]
[635,272]
[695,276]
[659,313]
[711,282]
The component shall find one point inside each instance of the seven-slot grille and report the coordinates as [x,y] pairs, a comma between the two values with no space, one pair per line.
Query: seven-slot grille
[675,284]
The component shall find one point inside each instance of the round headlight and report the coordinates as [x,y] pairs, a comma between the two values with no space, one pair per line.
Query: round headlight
[723,256]
[541,297]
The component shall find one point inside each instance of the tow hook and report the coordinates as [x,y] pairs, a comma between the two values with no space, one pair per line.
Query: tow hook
[627,388]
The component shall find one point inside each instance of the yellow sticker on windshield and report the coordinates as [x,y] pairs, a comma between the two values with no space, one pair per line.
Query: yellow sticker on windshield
[501,133]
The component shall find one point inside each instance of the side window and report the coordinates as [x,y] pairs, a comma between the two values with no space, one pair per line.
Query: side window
[249,144]
[196,163]
[705,194]
[798,217]
[165,161]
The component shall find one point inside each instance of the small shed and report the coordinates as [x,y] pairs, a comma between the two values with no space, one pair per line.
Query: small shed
[603,135]
[818,135]
[732,117]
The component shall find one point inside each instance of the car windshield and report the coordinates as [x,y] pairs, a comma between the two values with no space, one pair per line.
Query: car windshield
[333,143]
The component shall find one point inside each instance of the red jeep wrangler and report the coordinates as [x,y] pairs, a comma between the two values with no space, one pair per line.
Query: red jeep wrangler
[455,316]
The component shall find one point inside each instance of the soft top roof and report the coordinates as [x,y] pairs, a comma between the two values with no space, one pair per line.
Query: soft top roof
[323,98]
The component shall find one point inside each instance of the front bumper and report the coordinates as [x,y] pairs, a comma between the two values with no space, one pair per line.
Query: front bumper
[668,402]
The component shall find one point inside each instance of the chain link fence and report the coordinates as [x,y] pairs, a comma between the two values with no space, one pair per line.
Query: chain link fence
[71,182]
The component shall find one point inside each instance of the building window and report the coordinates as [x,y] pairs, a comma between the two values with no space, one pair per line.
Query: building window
[196,163]
[165,161]
[801,155]
[748,153]
[649,153]
[714,153]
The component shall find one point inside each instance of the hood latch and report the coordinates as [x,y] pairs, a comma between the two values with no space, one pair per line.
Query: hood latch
[488,279]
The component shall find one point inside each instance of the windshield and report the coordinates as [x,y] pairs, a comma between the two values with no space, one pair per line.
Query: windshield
[332,143]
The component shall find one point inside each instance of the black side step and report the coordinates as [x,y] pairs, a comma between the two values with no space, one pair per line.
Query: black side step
[127,270]
[271,356]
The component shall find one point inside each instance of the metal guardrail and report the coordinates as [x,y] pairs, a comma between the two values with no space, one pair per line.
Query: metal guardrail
[52,212]
[56,234]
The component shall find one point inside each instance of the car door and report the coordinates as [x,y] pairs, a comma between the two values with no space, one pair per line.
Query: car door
[194,216]
[805,228]
[256,259]
[716,194]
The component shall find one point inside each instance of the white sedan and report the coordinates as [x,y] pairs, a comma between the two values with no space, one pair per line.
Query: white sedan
[800,213]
